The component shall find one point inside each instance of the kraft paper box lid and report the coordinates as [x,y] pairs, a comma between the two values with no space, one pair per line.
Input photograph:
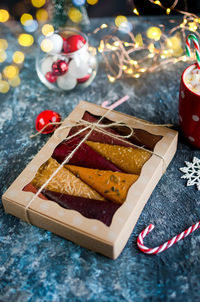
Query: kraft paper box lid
[71,224]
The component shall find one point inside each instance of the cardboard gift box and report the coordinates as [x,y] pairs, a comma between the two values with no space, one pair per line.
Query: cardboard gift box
[97,195]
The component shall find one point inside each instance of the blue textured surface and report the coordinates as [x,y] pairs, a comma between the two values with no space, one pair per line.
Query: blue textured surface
[36,265]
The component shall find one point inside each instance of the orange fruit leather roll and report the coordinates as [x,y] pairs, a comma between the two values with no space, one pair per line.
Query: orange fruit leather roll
[63,182]
[127,159]
[112,185]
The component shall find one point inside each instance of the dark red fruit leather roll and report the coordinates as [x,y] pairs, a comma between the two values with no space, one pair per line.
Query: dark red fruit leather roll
[96,136]
[140,137]
[90,208]
[85,156]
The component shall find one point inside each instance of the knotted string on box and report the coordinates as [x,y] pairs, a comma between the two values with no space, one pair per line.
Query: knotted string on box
[92,126]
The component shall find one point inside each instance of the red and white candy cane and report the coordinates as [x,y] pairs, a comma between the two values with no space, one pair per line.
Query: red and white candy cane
[167,244]
[193,38]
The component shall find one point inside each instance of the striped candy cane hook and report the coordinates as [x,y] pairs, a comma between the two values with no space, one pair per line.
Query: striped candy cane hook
[167,244]
[193,38]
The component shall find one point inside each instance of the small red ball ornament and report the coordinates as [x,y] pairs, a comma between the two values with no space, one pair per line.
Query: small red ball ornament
[84,79]
[73,43]
[59,67]
[46,117]
[50,77]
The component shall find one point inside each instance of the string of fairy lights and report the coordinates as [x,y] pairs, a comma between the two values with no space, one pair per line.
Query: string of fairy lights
[132,56]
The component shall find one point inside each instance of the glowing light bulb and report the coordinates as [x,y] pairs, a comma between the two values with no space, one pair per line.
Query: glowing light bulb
[92,2]
[103,25]
[135,11]
[192,26]
[129,71]
[18,57]
[47,29]
[133,62]
[116,43]
[4,86]
[3,56]
[119,20]
[168,10]
[75,15]
[4,15]
[139,40]
[25,40]
[10,71]
[3,44]
[24,18]
[124,67]
[111,79]
[154,33]
[46,45]
[142,69]
[14,82]
[38,3]
[42,15]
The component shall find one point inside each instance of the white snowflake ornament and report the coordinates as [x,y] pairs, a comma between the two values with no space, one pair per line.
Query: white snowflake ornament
[192,172]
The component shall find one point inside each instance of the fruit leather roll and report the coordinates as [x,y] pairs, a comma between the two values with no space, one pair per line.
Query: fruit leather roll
[140,137]
[127,159]
[30,188]
[63,182]
[85,156]
[112,185]
[90,208]
[97,136]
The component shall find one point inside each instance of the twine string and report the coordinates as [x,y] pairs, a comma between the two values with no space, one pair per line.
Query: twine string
[92,126]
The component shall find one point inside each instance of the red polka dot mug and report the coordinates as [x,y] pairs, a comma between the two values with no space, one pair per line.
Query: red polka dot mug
[189,110]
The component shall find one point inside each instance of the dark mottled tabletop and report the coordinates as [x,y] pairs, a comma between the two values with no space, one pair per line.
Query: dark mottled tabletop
[36,265]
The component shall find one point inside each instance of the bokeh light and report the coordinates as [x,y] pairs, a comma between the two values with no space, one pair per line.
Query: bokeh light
[38,3]
[47,29]
[25,40]
[31,26]
[24,18]
[10,71]
[154,33]
[42,15]
[192,26]
[4,86]
[119,20]
[18,57]
[135,11]
[168,11]
[14,82]
[46,45]
[78,2]
[92,2]
[75,15]
[3,44]
[4,15]
[3,55]
[126,27]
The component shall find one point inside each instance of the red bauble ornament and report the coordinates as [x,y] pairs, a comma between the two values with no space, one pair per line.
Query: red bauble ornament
[59,67]
[46,117]
[50,77]
[73,43]
[84,79]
